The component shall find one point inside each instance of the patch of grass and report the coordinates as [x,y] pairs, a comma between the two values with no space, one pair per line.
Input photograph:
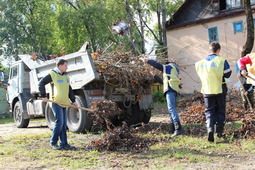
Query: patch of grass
[159,97]
[8,119]
[38,120]
[5,120]
[32,151]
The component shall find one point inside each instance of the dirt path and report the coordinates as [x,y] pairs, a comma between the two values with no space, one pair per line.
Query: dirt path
[9,130]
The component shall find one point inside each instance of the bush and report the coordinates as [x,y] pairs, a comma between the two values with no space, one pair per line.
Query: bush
[159,97]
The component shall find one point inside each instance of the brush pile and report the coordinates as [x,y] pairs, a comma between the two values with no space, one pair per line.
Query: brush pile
[104,110]
[193,113]
[122,139]
[123,69]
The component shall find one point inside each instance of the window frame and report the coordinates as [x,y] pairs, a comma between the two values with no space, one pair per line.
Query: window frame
[215,29]
[236,24]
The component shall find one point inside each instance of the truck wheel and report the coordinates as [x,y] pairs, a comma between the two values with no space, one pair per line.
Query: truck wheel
[78,120]
[49,116]
[147,116]
[136,115]
[19,120]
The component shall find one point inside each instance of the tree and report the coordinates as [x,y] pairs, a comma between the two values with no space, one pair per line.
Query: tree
[26,25]
[46,25]
[247,48]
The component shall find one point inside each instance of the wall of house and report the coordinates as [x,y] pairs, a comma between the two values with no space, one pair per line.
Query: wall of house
[188,45]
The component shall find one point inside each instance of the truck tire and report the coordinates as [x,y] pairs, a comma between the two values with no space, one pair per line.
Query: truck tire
[49,116]
[136,116]
[78,120]
[18,116]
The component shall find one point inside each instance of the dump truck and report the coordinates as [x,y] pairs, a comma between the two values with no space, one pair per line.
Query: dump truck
[87,85]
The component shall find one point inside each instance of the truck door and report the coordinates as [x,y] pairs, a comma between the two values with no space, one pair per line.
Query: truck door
[13,84]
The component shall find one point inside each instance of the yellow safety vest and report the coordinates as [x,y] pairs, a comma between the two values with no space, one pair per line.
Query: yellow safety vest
[210,74]
[174,81]
[60,88]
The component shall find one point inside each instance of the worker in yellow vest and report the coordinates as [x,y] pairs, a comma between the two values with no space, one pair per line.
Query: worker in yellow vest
[61,92]
[171,84]
[212,72]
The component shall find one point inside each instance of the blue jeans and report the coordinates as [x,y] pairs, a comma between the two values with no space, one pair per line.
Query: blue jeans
[171,105]
[59,130]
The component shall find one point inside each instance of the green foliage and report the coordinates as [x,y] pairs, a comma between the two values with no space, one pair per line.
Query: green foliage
[45,26]
[4,120]
[159,97]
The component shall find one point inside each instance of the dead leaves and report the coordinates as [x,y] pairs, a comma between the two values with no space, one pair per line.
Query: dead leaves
[193,113]
[121,139]
[105,109]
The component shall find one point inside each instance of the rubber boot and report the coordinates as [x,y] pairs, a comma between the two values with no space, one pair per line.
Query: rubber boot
[172,129]
[210,130]
[178,129]
[219,129]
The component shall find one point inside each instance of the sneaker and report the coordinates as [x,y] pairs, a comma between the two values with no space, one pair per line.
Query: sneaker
[210,137]
[68,147]
[55,146]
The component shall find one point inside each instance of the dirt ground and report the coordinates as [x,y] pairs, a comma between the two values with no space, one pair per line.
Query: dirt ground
[227,161]
[9,130]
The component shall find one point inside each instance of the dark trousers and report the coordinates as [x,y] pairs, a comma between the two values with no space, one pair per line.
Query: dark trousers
[215,109]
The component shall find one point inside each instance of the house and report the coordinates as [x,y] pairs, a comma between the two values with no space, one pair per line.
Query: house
[199,22]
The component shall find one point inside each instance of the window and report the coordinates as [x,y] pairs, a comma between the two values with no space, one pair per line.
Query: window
[230,4]
[213,34]
[238,27]
[233,4]
[14,72]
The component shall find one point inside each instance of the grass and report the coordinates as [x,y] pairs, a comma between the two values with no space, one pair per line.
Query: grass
[33,151]
[4,120]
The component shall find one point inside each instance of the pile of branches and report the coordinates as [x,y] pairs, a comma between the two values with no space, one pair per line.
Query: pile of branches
[104,110]
[123,69]
[193,109]
[248,129]
[121,139]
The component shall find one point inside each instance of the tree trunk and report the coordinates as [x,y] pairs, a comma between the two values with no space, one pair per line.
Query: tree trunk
[130,27]
[164,27]
[250,29]
[142,26]
[159,25]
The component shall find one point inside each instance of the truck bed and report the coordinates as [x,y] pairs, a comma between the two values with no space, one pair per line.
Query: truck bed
[80,68]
